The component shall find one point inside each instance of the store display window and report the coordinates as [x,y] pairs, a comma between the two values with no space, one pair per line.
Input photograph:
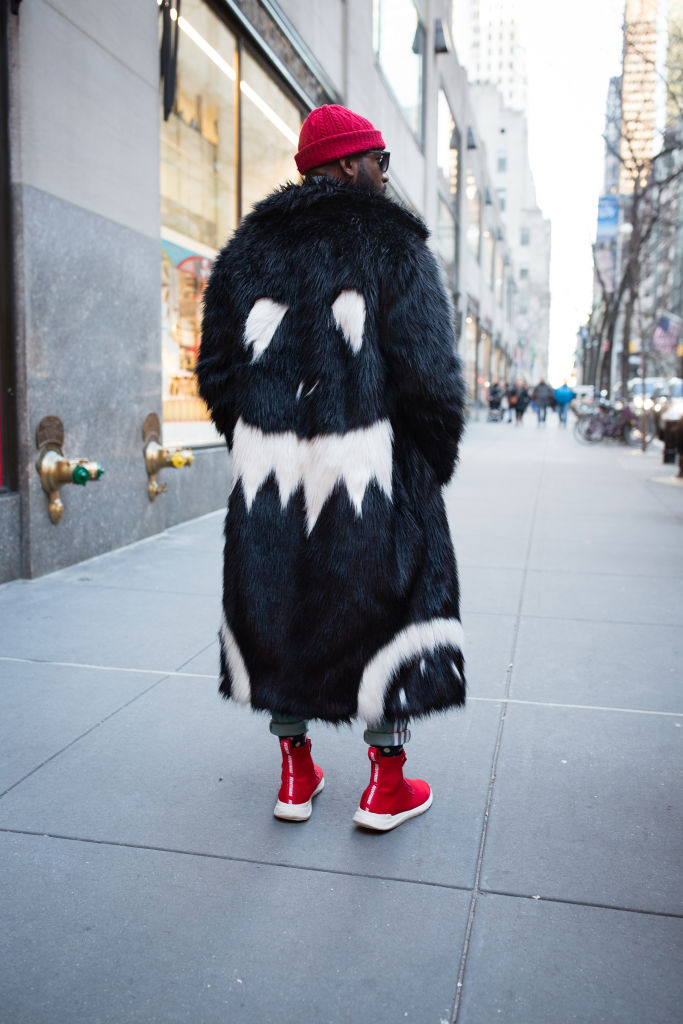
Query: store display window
[228,141]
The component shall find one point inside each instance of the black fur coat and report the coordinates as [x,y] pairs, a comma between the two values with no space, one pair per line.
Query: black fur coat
[327,362]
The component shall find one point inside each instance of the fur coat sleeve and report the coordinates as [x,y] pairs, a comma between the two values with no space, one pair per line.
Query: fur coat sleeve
[425,379]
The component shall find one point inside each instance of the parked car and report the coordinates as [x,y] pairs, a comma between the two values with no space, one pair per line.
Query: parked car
[640,391]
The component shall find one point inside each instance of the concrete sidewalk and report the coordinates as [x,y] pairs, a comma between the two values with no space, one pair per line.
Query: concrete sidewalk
[144,878]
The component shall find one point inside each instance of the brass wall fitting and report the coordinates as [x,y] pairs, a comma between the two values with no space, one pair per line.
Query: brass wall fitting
[157,457]
[54,469]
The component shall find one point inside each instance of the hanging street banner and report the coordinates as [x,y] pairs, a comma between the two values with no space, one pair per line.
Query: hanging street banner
[667,332]
[608,217]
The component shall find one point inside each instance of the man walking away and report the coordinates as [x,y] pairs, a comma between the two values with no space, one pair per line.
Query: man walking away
[521,402]
[327,362]
[511,396]
[564,396]
[542,397]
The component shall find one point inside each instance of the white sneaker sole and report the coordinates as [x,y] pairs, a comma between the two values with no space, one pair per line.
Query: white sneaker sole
[385,822]
[297,812]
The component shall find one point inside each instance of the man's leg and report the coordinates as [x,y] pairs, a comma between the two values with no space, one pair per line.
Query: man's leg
[289,728]
[389,798]
[301,779]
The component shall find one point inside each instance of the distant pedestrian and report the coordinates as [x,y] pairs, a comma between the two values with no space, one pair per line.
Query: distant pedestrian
[542,397]
[522,399]
[510,399]
[327,362]
[564,396]
[495,398]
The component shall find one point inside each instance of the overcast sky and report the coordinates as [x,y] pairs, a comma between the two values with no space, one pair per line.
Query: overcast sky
[572,51]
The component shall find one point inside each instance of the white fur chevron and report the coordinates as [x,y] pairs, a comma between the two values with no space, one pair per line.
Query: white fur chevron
[355,458]
[417,639]
[263,321]
[241,687]
[349,313]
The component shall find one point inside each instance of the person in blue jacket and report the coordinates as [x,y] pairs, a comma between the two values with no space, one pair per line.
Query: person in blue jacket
[564,396]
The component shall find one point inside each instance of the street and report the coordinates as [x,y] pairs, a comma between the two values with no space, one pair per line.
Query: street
[144,878]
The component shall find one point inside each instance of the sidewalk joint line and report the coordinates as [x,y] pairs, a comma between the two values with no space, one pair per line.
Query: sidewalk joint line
[496,753]
[177,673]
[231,858]
[581,903]
[165,672]
[576,707]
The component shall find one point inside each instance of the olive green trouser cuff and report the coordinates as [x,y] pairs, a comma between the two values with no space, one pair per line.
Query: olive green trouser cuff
[280,725]
[387,733]
[381,734]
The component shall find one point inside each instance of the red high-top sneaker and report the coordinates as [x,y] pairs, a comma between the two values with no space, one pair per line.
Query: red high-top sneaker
[390,799]
[301,781]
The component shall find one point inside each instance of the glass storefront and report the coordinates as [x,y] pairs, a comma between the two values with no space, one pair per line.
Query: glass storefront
[471,348]
[211,174]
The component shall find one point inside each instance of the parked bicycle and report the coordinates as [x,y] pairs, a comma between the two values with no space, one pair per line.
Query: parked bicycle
[620,423]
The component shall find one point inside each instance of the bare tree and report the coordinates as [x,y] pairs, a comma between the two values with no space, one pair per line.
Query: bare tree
[650,193]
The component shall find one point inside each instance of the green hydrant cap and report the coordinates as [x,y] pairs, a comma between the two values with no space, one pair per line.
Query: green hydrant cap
[80,475]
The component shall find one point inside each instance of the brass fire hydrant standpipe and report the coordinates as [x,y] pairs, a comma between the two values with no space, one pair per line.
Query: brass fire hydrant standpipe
[157,458]
[55,470]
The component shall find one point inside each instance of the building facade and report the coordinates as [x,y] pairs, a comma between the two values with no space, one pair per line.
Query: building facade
[637,318]
[137,138]
[489,38]
[527,231]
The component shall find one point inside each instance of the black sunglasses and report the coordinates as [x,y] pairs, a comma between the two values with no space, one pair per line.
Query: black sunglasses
[382,160]
[381,156]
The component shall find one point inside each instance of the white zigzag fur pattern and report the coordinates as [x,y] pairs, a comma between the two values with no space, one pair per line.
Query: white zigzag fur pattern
[241,687]
[263,321]
[417,639]
[349,313]
[355,458]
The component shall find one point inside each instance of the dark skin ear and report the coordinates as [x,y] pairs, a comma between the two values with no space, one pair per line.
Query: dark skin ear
[348,166]
[359,169]
[345,169]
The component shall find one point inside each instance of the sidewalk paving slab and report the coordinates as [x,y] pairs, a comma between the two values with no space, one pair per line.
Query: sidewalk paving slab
[52,706]
[603,597]
[89,624]
[615,664]
[588,807]
[107,933]
[536,962]
[163,773]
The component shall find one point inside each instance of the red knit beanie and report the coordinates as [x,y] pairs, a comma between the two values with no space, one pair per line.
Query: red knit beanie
[331,132]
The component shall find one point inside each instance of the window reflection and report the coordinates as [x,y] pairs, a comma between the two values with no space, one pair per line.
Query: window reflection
[200,163]
[399,42]
[448,149]
[446,239]
[270,133]
[488,253]
[448,165]
[473,214]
